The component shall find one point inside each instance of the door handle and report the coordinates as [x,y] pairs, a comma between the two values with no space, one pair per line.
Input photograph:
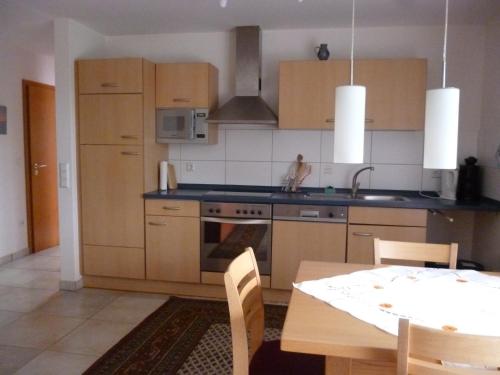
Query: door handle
[37,166]
[362,234]
[130,153]
[171,208]
[109,84]
[157,224]
[128,136]
[181,100]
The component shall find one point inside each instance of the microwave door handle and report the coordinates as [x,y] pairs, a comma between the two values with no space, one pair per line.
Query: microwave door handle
[192,128]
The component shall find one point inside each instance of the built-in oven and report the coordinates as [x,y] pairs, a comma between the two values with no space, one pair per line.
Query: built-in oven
[228,228]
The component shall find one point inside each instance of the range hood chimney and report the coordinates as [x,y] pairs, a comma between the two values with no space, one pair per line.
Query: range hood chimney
[247,107]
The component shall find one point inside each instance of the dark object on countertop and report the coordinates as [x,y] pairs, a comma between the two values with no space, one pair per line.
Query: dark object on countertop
[462,264]
[322,52]
[469,183]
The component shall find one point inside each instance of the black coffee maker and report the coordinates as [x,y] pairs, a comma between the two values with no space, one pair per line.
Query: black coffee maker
[469,181]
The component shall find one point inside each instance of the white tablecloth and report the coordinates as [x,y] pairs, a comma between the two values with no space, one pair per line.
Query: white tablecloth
[458,300]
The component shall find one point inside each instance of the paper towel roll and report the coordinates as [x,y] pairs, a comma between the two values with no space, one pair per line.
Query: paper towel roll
[163,175]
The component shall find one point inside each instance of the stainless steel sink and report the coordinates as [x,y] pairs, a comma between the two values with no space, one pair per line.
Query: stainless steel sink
[328,196]
[393,198]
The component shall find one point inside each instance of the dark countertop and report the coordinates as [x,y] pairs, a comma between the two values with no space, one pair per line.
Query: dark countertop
[307,197]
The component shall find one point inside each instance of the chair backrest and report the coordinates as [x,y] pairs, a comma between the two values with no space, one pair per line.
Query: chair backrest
[421,350]
[416,251]
[246,309]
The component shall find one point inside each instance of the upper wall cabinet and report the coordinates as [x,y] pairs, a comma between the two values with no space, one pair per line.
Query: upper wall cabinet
[106,76]
[395,92]
[307,92]
[186,85]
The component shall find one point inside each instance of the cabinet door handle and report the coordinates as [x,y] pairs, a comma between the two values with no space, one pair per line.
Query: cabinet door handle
[130,153]
[171,208]
[128,136]
[109,84]
[157,224]
[181,100]
[330,120]
[369,121]
[362,234]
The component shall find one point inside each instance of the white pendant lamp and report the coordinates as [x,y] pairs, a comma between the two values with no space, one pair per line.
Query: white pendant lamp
[441,120]
[349,116]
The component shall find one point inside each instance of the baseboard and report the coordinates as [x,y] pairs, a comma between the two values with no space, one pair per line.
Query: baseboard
[15,255]
[71,285]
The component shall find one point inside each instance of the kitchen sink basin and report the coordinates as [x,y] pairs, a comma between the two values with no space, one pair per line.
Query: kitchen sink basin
[390,198]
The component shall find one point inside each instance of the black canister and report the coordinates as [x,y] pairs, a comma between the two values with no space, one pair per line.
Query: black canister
[322,52]
[469,183]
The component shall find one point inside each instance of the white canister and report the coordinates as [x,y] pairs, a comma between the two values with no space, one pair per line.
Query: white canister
[163,175]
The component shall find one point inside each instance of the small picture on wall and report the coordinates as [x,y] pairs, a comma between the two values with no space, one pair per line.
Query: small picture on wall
[3,119]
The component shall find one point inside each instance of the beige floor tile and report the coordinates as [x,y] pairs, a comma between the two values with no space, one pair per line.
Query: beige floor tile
[55,363]
[77,304]
[29,278]
[129,309]
[52,252]
[13,358]
[37,330]
[7,317]
[24,299]
[43,263]
[94,337]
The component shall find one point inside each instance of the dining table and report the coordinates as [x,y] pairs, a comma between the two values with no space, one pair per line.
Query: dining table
[350,345]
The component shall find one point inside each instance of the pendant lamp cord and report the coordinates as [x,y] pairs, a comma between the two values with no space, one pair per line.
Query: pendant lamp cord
[352,41]
[444,44]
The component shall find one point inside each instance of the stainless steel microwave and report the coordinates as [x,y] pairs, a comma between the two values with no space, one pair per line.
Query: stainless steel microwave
[184,125]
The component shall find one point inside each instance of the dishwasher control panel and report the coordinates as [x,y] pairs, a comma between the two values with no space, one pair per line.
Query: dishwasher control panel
[298,212]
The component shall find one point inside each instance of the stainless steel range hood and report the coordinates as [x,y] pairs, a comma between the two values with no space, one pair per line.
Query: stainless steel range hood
[247,107]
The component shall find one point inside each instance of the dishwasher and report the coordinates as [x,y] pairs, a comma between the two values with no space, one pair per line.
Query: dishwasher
[305,232]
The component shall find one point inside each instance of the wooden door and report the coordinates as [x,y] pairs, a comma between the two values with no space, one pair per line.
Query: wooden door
[106,76]
[173,248]
[111,191]
[395,92]
[41,165]
[307,93]
[111,119]
[295,241]
[360,239]
[182,85]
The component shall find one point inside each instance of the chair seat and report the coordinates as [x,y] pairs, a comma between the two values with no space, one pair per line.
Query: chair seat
[270,359]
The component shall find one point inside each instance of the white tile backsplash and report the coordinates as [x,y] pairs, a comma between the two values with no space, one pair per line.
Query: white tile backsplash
[249,145]
[327,139]
[397,147]
[203,172]
[281,170]
[398,177]
[247,155]
[431,179]
[248,173]
[288,143]
[340,175]
[205,152]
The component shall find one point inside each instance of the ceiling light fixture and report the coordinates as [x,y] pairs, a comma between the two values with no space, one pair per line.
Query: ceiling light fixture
[349,116]
[441,120]
[223,3]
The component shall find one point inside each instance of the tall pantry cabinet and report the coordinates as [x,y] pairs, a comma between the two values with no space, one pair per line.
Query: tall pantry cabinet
[118,162]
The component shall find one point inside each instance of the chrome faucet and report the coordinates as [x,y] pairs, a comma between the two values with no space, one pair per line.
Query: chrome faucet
[355,183]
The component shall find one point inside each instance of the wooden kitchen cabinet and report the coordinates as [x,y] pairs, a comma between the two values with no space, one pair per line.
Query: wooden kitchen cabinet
[114,261]
[112,207]
[295,241]
[173,245]
[186,85]
[393,224]
[105,76]
[307,92]
[111,119]
[395,92]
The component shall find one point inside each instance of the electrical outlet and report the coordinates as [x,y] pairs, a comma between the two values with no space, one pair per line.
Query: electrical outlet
[189,167]
[64,175]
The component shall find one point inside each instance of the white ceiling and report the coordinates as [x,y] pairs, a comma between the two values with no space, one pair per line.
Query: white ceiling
[121,17]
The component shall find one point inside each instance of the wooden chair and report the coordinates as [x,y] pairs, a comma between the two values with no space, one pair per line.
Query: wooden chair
[421,350]
[251,354]
[415,251]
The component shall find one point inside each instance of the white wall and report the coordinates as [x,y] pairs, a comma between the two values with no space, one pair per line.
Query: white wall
[18,61]
[216,164]
[487,226]
[72,41]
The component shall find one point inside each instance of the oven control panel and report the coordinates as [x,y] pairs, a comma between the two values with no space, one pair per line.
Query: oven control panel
[236,210]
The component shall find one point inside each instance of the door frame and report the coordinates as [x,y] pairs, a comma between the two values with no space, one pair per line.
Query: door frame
[27,157]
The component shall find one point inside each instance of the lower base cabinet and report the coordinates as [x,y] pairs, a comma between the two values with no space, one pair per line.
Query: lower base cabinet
[173,248]
[295,241]
[113,261]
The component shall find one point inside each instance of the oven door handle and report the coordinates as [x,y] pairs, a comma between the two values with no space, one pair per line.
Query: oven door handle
[235,221]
